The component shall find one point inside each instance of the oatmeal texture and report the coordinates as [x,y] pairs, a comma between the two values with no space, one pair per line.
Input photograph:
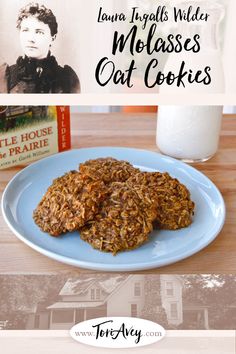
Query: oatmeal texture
[113,204]
[124,220]
[174,208]
[108,170]
[69,203]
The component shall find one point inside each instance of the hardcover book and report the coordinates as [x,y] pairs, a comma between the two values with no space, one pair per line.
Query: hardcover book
[29,133]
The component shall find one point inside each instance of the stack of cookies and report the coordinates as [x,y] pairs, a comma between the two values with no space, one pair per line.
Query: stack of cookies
[113,205]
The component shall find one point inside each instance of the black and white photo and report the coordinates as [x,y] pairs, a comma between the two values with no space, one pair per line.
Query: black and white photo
[36,69]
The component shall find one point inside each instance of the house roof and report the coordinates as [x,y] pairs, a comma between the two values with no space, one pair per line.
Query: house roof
[194,306]
[79,286]
[187,301]
[76,286]
[74,305]
[111,284]
[120,285]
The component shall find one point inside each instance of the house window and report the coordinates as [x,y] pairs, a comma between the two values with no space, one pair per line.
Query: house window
[98,294]
[92,294]
[134,310]
[174,310]
[63,316]
[137,289]
[169,288]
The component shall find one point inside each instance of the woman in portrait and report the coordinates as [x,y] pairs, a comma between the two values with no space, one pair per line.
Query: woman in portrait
[37,71]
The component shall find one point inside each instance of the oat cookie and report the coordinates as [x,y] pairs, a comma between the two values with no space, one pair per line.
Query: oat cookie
[124,221]
[175,208]
[108,169]
[69,203]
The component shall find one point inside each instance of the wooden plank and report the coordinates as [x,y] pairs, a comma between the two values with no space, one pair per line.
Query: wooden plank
[138,131]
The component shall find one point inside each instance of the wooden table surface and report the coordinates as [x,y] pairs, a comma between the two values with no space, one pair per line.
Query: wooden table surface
[137,131]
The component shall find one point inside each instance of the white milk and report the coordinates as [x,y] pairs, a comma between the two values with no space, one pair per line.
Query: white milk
[190,133]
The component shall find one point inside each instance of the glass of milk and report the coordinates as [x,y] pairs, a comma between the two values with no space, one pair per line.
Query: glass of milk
[189,133]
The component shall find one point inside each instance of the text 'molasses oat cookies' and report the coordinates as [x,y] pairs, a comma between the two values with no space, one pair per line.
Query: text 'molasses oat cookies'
[113,205]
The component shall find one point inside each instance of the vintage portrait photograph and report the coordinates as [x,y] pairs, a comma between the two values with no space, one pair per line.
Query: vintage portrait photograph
[37,41]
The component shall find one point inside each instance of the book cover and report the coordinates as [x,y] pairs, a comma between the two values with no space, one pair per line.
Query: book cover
[29,133]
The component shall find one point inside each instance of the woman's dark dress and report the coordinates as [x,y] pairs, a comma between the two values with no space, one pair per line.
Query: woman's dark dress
[30,75]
